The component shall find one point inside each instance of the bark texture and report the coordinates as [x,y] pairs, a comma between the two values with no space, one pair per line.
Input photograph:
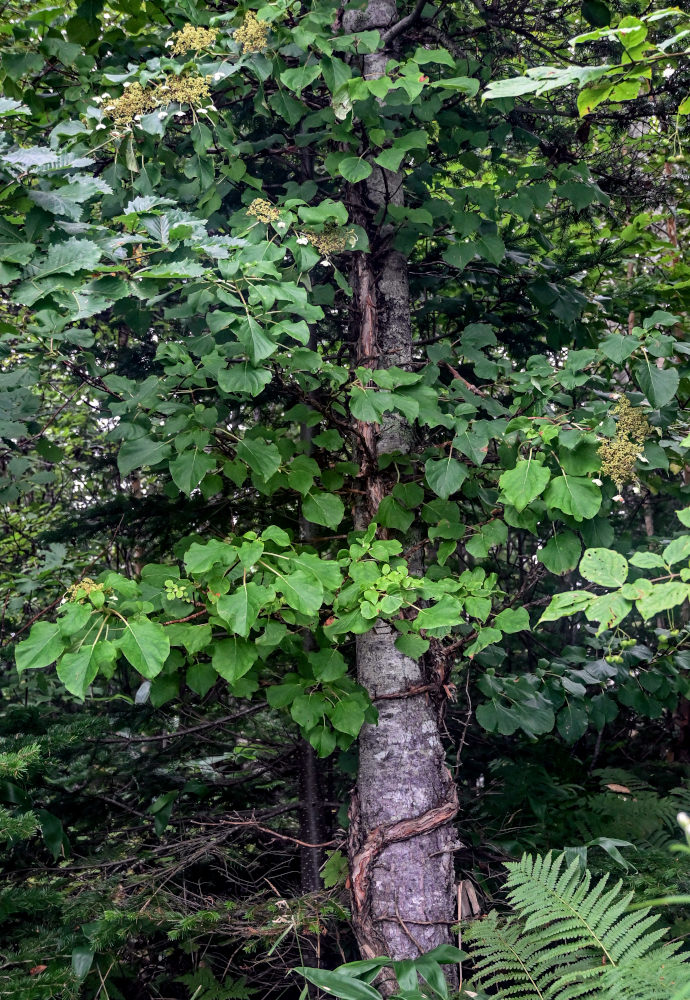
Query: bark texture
[401,835]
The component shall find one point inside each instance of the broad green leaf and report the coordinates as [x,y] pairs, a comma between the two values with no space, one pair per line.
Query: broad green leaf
[618,348]
[523,484]
[243,377]
[568,603]
[442,614]
[301,591]
[561,553]
[77,670]
[609,610]
[261,456]
[347,716]
[662,597]
[339,984]
[572,721]
[446,476]
[300,77]
[241,609]
[139,452]
[647,560]
[43,645]
[201,558]
[190,467]
[354,169]
[578,497]
[233,657]
[512,620]
[605,567]
[67,257]
[146,646]
[323,508]
[677,551]
[658,384]
[327,664]
[412,645]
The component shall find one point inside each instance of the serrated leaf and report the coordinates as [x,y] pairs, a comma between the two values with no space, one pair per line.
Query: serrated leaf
[77,670]
[241,609]
[261,456]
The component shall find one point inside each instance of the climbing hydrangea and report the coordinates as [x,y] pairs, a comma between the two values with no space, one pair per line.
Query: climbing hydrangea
[252,35]
[191,39]
[263,210]
[619,454]
[193,90]
[333,239]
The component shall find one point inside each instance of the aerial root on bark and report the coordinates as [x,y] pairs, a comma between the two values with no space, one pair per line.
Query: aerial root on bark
[364,850]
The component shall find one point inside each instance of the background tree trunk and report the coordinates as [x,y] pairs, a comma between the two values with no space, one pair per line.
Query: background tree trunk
[401,837]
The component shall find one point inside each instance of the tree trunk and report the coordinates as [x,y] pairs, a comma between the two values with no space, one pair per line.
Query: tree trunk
[401,837]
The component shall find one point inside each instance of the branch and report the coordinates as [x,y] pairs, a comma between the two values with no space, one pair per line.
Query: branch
[403,23]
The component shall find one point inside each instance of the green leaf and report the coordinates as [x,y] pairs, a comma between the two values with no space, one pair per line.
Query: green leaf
[261,456]
[82,960]
[354,169]
[327,664]
[446,476]
[241,609]
[618,347]
[338,984]
[391,514]
[42,646]
[139,452]
[609,610]
[572,721]
[189,468]
[301,591]
[677,551]
[662,597]
[523,484]
[512,620]
[658,384]
[77,670]
[647,560]
[347,716]
[233,657]
[300,77]
[243,378]
[568,603]
[596,12]
[443,614]
[323,508]
[605,567]
[561,553]
[575,496]
[67,257]
[412,645]
[146,646]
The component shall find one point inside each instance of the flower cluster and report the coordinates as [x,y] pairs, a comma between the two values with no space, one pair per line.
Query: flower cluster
[191,39]
[136,101]
[79,591]
[263,210]
[252,35]
[333,239]
[619,454]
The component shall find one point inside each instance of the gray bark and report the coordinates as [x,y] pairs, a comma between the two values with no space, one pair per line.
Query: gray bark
[401,834]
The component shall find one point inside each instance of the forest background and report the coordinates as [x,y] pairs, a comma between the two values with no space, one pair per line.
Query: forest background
[344,494]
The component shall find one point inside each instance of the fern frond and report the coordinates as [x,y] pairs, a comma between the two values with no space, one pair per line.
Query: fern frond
[570,939]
